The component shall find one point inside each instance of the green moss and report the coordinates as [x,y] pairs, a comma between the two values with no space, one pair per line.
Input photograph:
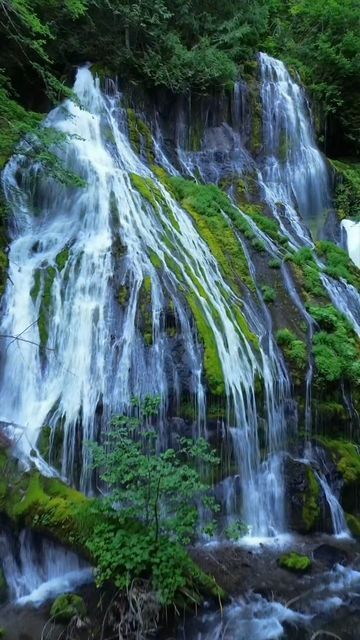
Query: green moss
[336,347]
[140,136]
[155,260]
[284,147]
[353,522]
[346,457]
[145,187]
[295,562]
[274,264]
[347,189]
[43,442]
[269,294]
[308,273]
[294,350]
[256,117]
[45,307]
[338,263]
[65,607]
[212,363]
[145,311]
[206,204]
[123,295]
[311,508]
[35,289]
[62,258]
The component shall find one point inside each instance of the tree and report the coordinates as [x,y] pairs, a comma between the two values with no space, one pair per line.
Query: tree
[150,512]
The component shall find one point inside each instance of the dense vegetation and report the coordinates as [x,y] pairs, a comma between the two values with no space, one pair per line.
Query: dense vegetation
[181,46]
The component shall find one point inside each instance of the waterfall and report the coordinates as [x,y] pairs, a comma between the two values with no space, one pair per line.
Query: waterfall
[39,570]
[89,357]
[294,175]
[315,456]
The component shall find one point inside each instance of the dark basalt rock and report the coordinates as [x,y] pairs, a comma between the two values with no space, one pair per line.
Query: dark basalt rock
[330,555]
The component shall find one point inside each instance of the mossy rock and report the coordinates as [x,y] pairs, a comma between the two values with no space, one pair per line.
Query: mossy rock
[353,522]
[66,606]
[311,507]
[43,504]
[346,456]
[295,562]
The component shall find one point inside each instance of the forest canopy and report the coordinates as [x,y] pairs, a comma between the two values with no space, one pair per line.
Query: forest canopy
[182,46]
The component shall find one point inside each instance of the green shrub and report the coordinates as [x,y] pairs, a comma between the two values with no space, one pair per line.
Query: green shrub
[66,606]
[269,294]
[295,562]
[294,348]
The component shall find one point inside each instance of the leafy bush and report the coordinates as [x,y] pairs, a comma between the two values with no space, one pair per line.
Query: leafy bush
[269,294]
[294,349]
[151,511]
[335,347]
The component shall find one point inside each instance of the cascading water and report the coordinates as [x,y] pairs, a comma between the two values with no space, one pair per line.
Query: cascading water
[39,569]
[294,175]
[91,358]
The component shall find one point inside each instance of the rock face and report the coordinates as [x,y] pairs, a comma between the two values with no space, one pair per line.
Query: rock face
[306,507]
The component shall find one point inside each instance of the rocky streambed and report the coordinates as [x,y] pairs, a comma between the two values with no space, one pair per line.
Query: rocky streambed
[266,600]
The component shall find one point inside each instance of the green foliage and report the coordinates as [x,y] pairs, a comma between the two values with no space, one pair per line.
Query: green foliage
[346,457]
[269,294]
[151,511]
[66,607]
[311,507]
[338,263]
[347,189]
[236,530]
[294,349]
[295,562]
[207,205]
[308,273]
[335,347]
[274,264]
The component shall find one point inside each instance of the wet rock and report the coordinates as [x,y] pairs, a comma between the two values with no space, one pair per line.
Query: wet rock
[306,507]
[330,555]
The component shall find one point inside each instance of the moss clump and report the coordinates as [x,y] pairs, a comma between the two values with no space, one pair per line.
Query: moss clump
[336,347]
[295,351]
[346,457]
[207,205]
[212,363]
[295,562]
[45,307]
[140,136]
[145,311]
[269,294]
[308,274]
[338,263]
[123,295]
[146,187]
[347,189]
[65,607]
[256,141]
[35,289]
[353,522]
[62,258]
[274,264]
[311,508]
[43,442]
[44,504]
